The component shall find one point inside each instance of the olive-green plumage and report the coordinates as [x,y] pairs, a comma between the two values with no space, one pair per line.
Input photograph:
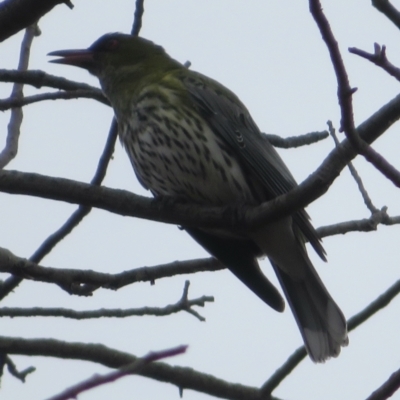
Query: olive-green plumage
[188,137]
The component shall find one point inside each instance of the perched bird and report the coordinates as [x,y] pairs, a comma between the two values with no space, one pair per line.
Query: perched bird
[188,137]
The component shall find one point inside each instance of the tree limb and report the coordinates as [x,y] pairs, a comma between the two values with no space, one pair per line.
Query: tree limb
[379,58]
[38,79]
[182,377]
[10,150]
[125,203]
[290,142]
[388,388]
[16,15]
[298,355]
[133,368]
[76,217]
[6,104]
[386,8]
[74,280]
[183,304]
[345,93]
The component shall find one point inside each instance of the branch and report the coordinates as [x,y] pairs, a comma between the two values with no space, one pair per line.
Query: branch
[137,19]
[14,126]
[75,281]
[386,8]
[38,79]
[345,93]
[133,368]
[379,217]
[354,174]
[296,141]
[16,15]
[76,217]
[12,368]
[378,304]
[183,304]
[388,388]
[84,282]
[6,104]
[125,203]
[182,377]
[378,58]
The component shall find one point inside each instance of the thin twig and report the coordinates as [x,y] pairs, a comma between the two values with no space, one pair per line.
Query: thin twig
[388,388]
[133,368]
[182,377]
[362,225]
[11,283]
[296,141]
[355,175]
[183,304]
[6,104]
[138,16]
[378,304]
[39,79]
[386,8]
[345,93]
[379,58]
[11,148]
[16,15]
[74,280]
[12,369]
[298,355]
[126,203]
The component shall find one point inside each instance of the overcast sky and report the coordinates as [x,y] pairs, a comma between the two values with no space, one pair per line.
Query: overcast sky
[271,55]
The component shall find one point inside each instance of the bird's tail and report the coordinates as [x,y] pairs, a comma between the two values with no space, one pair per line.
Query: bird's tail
[321,322]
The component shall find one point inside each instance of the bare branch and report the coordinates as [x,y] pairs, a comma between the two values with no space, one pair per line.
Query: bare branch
[137,20]
[133,368]
[14,126]
[82,211]
[84,282]
[182,377]
[72,280]
[362,225]
[378,304]
[388,388]
[126,203]
[296,141]
[282,372]
[386,8]
[183,304]
[378,58]
[16,15]
[354,173]
[12,369]
[40,79]
[6,104]
[298,355]
[75,218]
[345,93]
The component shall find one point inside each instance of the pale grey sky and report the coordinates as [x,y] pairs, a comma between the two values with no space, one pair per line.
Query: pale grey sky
[272,56]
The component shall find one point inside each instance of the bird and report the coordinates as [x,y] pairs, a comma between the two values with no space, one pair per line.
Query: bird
[189,138]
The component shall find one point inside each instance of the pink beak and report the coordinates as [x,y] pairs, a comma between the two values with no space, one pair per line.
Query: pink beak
[78,58]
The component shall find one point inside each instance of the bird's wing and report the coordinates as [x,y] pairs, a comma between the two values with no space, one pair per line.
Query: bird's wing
[239,255]
[230,119]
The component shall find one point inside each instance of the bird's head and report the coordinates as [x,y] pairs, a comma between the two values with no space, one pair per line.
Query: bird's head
[114,52]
